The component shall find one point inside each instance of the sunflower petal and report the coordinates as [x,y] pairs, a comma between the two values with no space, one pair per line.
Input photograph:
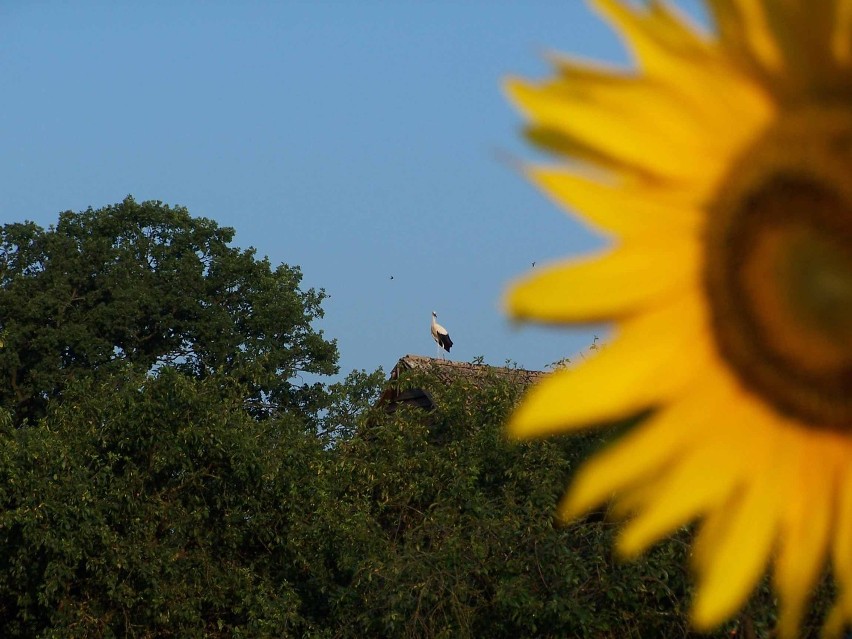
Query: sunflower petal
[658,102]
[612,129]
[806,38]
[837,620]
[634,372]
[663,43]
[842,547]
[712,529]
[601,288]
[842,38]
[649,447]
[703,476]
[742,546]
[585,155]
[805,523]
[703,479]
[744,31]
[626,210]
[669,50]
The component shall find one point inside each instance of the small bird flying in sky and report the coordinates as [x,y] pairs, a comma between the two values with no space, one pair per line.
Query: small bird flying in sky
[440,335]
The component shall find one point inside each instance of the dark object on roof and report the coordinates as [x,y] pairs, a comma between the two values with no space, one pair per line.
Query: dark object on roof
[445,372]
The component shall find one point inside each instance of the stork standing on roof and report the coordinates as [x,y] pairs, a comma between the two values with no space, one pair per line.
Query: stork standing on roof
[440,335]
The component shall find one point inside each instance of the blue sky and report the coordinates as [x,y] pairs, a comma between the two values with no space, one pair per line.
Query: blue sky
[360,140]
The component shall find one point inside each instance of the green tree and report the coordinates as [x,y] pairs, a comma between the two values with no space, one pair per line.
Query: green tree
[348,401]
[158,507]
[150,285]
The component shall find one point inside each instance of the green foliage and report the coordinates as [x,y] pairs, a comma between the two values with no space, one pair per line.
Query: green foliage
[348,401]
[161,507]
[154,508]
[150,285]
[449,531]
[463,538]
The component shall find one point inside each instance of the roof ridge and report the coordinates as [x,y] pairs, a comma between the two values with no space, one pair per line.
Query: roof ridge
[425,359]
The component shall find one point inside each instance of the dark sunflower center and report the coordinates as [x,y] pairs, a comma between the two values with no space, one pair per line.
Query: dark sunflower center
[779,269]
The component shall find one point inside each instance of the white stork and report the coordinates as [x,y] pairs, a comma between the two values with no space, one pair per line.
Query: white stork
[440,335]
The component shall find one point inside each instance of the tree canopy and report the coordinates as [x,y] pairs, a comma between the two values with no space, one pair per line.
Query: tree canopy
[152,286]
[154,507]
[160,507]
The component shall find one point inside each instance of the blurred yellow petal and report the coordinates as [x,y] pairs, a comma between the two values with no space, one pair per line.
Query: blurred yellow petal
[805,524]
[838,618]
[743,546]
[610,128]
[842,38]
[651,446]
[673,52]
[586,155]
[662,43]
[615,284]
[634,372]
[624,210]
[713,526]
[744,29]
[807,43]
[842,538]
[702,479]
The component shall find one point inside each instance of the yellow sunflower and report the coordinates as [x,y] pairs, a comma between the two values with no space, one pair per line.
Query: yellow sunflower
[721,168]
